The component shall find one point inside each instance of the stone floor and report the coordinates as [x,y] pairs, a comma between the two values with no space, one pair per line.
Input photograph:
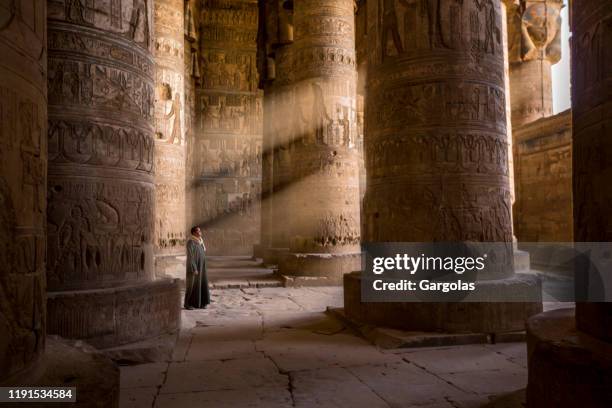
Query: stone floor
[275,347]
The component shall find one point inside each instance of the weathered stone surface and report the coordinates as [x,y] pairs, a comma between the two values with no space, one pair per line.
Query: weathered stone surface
[101,189]
[170,223]
[193,376]
[402,384]
[137,397]
[321,149]
[153,350]
[304,269]
[260,397]
[567,368]
[534,45]
[101,148]
[143,375]
[23,163]
[76,364]
[116,316]
[460,317]
[294,350]
[332,387]
[228,147]
[435,92]
[543,170]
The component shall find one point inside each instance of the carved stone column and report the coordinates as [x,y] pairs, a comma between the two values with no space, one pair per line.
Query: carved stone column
[436,151]
[101,176]
[23,172]
[277,78]
[324,230]
[229,142]
[562,348]
[534,44]
[192,80]
[170,126]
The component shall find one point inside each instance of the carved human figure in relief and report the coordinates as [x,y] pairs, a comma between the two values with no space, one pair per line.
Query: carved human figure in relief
[139,22]
[174,116]
[320,119]
[390,26]
[74,10]
[73,237]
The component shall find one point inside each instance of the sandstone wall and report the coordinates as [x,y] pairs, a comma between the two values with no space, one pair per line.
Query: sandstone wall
[543,207]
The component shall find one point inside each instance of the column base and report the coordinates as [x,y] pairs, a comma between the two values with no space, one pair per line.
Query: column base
[461,317]
[522,261]
[258,251]
[567,368]
[111,317]
[317,269]
[271,256]
[170,266]
[76,364]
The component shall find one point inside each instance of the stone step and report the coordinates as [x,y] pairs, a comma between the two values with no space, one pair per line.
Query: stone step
[238,272]
[232,262]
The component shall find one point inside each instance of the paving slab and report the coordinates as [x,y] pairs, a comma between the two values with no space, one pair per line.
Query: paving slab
[137,397]
[264,397]
[182,346]
[204,349]
[402,385]
[229,329]
[460,359]
[143,375]
[515,352]
[295,350]
[332,387]
[488,382]
[193,376]
[317,322]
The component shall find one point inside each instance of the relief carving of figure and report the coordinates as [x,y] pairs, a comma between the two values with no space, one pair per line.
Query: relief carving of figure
[74,10]
[139,22]
[175,116]
[390,26]
[320,119]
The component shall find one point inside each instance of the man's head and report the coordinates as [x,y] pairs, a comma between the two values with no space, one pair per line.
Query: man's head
[196,231]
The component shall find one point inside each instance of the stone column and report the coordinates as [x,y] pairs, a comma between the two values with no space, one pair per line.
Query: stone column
[324,232]
[436,151]
[277,81]
[192,80]
[23,173]
[229,142]
[561,347]
[101,191]
[534,45]
[170,225]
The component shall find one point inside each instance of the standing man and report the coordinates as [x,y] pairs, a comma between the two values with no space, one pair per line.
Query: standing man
[197,295]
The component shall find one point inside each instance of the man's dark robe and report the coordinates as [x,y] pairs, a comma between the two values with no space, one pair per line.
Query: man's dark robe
[196,286]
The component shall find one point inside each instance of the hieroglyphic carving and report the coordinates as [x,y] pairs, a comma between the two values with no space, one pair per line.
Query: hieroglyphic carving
[170,122]
[101,109]
[317,151]
[23,162]
[227,153]
[436,147]
[543,167]
[131,19]
[411,25]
